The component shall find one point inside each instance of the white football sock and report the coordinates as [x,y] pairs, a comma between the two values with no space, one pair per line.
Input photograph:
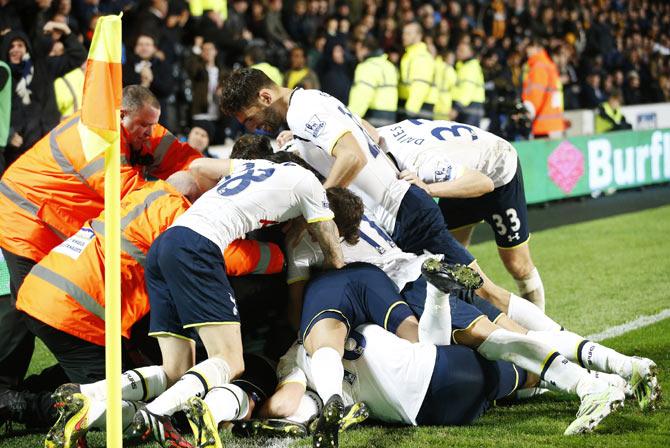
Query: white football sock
[227,403]
[532,289]
[197,381]
[590,355]
[435,322]
[97,414]
[536,357]
[142,384]
[529,316]
[328,372]
[310,406]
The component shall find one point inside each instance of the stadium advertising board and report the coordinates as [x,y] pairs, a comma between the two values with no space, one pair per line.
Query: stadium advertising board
[577,166]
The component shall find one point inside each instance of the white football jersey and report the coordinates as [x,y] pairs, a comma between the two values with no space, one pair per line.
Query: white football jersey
[374,246]
[318,121]
[389,374]
[255,194]
[438,150]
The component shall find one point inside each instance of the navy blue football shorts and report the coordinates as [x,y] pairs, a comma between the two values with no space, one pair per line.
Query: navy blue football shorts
[504,209]
[463,314]
[187,284]
[420,226]
[464,384]
[357,294]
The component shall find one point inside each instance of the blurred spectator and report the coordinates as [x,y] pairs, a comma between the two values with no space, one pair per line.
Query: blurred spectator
[632,92]
[255,57]
[592,94]
[336,71]
[145,66]
[234,36]
[198,139]
[445,81]
[34,109]
[568,76]
[609,116]
[206,76]
[298,74]
[468,94]
[276,32]
[374,95]
[543,93]
[417,70]
[295,23]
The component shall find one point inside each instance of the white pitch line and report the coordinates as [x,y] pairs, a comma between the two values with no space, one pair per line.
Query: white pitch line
[640,322]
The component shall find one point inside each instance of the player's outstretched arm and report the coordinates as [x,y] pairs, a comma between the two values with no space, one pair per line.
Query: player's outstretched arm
[208,172]
[349,161]
[325,232]
[470,184]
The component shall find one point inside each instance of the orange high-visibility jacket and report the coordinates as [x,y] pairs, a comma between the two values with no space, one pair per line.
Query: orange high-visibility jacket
[543,89]
[51,190]
[66,291]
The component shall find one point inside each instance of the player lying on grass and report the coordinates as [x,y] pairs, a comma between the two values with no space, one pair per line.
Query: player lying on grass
[336,144]
[492,333]
[477,176]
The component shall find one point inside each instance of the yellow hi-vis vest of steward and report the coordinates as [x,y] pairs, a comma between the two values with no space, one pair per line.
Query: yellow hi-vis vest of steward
[469,82]
[375,87]
[417,69]
[69,92]
[445,82]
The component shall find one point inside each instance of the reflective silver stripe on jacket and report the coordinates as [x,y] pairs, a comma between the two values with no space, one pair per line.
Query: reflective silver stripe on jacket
[74,291]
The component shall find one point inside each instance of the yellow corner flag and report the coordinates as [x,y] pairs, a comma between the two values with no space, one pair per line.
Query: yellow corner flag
[99,126]
[99,129]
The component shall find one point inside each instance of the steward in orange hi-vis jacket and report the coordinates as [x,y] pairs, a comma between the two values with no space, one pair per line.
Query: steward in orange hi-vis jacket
[543,93]
[52,190]
[65,290]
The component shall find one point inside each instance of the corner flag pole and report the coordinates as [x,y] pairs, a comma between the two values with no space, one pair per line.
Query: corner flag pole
[113,295]
[99,129]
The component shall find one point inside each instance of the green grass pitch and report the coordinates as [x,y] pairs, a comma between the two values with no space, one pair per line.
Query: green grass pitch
[596,275]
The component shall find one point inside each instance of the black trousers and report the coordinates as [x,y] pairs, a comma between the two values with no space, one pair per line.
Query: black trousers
[16,342]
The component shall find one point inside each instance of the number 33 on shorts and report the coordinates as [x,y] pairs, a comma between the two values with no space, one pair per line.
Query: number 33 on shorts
[510,222]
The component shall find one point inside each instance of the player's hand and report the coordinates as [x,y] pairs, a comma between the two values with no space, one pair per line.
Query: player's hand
[284,137]
[294,230]
[413,179]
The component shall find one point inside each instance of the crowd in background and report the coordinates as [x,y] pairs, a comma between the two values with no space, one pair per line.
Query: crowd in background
[182,49]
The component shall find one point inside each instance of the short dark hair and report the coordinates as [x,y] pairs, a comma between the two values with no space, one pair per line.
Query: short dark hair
[348,210]
[240,89]
[251,146]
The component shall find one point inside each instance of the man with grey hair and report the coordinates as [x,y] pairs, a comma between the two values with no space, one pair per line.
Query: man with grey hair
[52,189]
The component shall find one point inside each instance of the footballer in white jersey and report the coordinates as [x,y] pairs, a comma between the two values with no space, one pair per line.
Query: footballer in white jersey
[255,194]
[412,384]
[477,177]
[186,278]
[318,121]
